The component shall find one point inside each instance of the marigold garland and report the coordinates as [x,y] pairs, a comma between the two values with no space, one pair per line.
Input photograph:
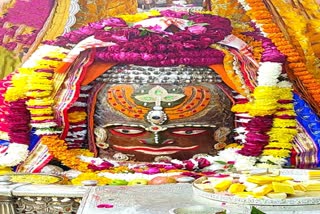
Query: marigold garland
[23,86]
[18,90]
[77,116]
[38,94]
[297,25]
[36,118]
[259,13]
[280,153]
[284,127]
[68,157]
[40,85]
[256,45]
[40,102]
[41,111]
[265,104]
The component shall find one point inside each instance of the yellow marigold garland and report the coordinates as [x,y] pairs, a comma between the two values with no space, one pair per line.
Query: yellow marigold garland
[279,145]
[19,81]
[281,153]
[264,102]
[42,117]
[38,94]
[283,130]
[41,111]
[77,116]
[284,123]
[40,84]
[40,102]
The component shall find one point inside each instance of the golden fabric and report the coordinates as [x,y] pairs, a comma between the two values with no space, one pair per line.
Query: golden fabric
[8,62]
[12,58]
[57,25]
[232,10]
[94,10]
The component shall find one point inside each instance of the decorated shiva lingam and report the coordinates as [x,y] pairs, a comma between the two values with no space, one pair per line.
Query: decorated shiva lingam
[155,114]
[145,90]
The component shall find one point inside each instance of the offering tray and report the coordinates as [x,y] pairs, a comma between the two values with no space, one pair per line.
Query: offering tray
[310,198]
[35,178]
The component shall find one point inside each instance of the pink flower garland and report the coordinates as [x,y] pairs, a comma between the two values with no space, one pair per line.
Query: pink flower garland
[153,47]
[256,135]
[19,117]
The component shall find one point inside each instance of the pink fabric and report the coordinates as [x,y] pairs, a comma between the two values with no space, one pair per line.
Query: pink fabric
[38,12]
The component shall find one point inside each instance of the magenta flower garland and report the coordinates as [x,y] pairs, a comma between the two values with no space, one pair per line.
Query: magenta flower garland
[188,46]
[257,128]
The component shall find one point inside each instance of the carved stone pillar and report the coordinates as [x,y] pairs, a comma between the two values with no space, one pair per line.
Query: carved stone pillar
[43,205]
[7,205]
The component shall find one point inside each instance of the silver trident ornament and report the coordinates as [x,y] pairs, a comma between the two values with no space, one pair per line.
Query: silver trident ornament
[156,117]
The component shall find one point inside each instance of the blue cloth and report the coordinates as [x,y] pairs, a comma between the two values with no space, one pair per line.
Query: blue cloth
[309,120]
[33,140]
[4,143]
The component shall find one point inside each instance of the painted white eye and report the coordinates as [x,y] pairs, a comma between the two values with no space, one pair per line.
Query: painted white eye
[189,132]
[127,131]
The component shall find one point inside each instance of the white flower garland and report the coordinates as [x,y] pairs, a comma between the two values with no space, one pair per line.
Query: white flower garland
[227,156]
[15,154]
[47,131]
[269,73]
[245,5]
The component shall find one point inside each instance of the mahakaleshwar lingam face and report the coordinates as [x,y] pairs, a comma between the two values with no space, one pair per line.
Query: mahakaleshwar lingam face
[155,114]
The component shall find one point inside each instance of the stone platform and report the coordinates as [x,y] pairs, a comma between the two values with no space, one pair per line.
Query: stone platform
[140,199]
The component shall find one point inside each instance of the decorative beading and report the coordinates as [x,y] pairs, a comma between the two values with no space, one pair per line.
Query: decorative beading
[158,75]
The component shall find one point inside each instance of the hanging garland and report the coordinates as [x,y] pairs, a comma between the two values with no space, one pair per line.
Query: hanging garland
[258,12]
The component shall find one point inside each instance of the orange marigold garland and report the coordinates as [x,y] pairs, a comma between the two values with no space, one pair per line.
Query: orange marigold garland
[68,157]
[302,29]
[259,13]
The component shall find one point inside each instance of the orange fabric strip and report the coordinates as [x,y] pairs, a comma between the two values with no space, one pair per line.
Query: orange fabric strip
[219,69]
[95,70]
[62,67]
